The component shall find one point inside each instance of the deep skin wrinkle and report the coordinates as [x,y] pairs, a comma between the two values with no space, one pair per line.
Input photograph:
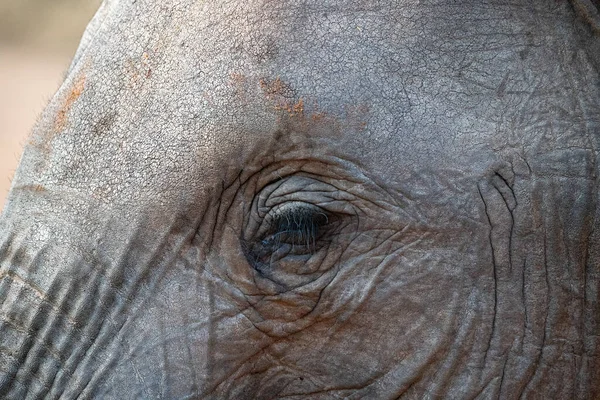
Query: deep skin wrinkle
[451,147]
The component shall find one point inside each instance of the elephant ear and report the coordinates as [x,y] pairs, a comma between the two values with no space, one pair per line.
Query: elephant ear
[590,11]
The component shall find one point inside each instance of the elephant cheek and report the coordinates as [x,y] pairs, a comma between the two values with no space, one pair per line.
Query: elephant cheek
[79,301]
[187,338]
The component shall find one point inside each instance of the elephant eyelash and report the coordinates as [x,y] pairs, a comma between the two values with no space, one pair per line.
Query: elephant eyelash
[297,225]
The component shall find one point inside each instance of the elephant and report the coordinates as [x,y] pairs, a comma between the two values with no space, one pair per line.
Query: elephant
[311,200]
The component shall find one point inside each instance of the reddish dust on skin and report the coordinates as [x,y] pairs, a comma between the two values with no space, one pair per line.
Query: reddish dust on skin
[293,109]
[43,139]
[138,70]
[239,81]
[34,188]
[146,64]
[357,115]
[61,117]
[295,112]
[276,88]
[280,94]
[283,97]
[240,85]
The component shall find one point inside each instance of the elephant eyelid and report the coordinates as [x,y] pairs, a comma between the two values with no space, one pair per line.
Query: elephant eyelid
[297,225]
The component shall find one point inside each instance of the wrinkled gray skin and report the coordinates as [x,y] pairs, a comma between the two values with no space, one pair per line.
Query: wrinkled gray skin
[443,154]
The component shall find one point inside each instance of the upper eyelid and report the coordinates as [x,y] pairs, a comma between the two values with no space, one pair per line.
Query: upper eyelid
[294,194]
[298,213]
[294,207]
[293,218]
[303,229]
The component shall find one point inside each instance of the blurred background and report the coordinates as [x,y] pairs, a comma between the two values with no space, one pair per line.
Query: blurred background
[37,41]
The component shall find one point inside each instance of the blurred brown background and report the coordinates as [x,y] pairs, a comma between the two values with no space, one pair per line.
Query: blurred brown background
[37,40]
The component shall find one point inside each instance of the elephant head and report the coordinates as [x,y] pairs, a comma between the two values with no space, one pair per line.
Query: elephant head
[316,199]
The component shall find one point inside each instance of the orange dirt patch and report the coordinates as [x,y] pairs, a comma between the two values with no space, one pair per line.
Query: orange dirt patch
[276,88]
[283,97]
[61,118]
[240,84]
[293,109]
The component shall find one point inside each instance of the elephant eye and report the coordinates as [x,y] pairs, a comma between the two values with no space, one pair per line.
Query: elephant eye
[290,243]
[300,226]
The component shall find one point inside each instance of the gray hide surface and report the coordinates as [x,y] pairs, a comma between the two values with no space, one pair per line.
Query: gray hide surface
[311,199]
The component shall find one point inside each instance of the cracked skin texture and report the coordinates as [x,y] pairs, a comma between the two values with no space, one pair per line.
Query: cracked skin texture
[319,199]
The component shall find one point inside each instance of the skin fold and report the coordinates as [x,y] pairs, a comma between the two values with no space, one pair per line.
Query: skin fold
[318,199]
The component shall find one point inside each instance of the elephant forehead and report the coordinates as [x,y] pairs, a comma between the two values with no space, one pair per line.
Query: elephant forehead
[192,87]
[427,76]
